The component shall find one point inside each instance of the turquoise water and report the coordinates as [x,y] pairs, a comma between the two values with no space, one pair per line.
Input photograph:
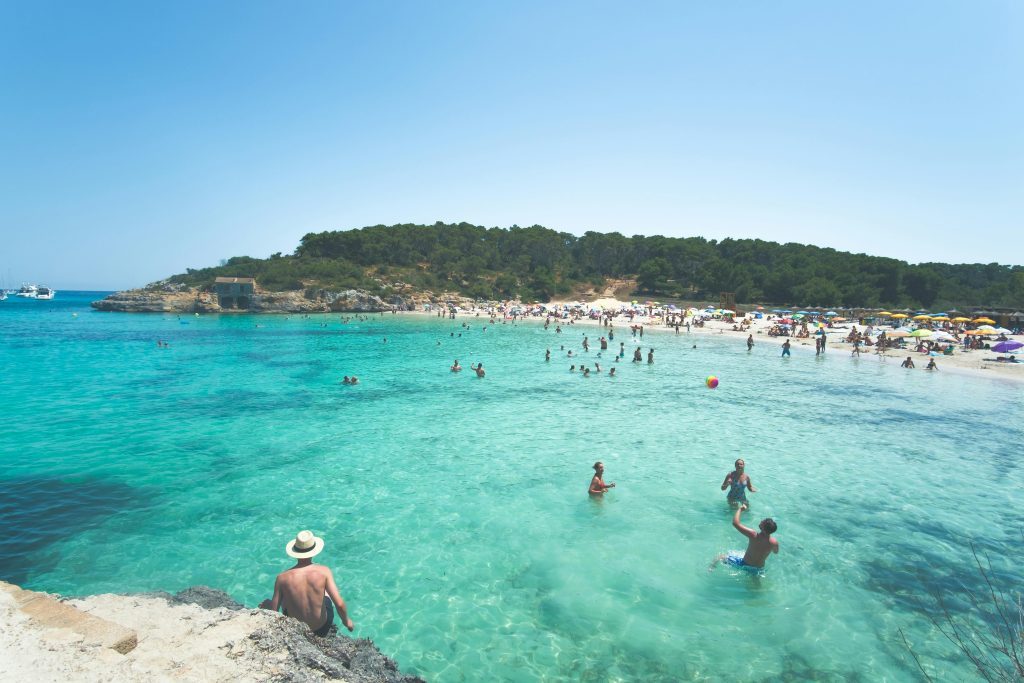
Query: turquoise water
[455,511]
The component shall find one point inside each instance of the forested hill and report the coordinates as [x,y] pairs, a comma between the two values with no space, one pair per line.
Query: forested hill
[537,263]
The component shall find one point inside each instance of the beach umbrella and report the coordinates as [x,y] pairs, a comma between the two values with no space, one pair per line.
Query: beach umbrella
[987,321]
[799,315]
[1006,346]
[940,317]
[899,316]
[922,317]
[726,311]
[921,332]
[961,319]
[879,313]
[898,333]
[803,312]
[837,319]
[942,336]
[831,313]
[986,328]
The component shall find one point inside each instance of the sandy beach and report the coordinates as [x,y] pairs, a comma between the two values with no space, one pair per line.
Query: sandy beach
[975,363]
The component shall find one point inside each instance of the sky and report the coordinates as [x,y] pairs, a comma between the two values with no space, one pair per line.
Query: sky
[138,139]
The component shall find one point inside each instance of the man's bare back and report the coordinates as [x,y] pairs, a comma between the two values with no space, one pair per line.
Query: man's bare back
[760,545]
[302,592]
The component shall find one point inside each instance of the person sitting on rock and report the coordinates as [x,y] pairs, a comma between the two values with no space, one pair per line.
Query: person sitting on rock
[307,591]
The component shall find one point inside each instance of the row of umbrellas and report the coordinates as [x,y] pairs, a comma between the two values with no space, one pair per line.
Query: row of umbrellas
[942,317]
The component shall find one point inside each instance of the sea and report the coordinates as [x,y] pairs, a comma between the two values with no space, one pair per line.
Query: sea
[454,509]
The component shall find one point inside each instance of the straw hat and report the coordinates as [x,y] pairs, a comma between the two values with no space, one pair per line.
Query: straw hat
[304,545]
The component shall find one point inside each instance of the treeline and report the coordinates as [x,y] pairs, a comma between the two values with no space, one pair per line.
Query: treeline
[537,263]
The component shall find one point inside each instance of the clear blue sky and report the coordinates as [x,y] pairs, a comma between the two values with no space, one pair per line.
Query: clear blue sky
[140,138]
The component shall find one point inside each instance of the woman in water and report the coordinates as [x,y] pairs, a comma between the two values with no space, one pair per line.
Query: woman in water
[597,485]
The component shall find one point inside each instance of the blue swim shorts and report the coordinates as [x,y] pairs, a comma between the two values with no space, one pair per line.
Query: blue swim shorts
[734,558]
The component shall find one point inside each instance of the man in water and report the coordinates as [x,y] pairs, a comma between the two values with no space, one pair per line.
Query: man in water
[597,485]
[931,365]
[759,546]
[908,363]
[479,369]
[307,591]
[785,348]
[750,342]
[738,482]
[455,366]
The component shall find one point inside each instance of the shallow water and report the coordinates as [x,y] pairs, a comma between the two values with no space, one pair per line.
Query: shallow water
[455,511]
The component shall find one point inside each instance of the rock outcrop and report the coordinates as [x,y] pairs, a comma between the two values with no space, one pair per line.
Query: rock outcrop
[199,634]
[163,299]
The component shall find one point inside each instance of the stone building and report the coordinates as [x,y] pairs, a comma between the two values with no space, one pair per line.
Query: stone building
[234,292]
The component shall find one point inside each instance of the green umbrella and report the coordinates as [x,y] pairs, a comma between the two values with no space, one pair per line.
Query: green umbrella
[921,333]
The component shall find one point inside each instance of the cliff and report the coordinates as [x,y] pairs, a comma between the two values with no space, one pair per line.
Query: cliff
[171,299]
[200,634]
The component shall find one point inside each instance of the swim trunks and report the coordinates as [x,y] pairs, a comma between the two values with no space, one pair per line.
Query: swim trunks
[735,559]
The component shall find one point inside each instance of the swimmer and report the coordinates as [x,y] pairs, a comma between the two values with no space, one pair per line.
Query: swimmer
[931,365]
[650,356]
[785,348]
[456,367]
[750,342]
[479,369]
[586,372]
[547,355]
[738,482]
[347,380]
[354,380]
[759,546]
[611,373]
[572,368]
[908,363]
[597,485]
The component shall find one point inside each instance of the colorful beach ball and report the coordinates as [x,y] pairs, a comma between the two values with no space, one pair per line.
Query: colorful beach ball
[711,382]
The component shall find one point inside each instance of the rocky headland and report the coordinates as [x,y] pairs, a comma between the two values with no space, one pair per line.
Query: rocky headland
[177,299]
[199,634]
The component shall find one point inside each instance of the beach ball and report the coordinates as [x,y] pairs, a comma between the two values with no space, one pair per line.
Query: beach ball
[712,382]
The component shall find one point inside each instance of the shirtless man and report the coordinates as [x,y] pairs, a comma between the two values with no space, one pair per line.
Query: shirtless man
[307,591]
[597,485]
[759,546]
[738,482]
[750,342]
[456,367]
[479,369]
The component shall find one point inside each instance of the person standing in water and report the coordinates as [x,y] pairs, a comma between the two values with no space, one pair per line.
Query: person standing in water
[738,482]
[597,485]
[750,342]
[785,348]
[760,544]
[479,369]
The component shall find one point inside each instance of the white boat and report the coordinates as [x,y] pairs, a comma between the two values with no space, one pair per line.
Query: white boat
[3,295]
[44,292]
[27,291]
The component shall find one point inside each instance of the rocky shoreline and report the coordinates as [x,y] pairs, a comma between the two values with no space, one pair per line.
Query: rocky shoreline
[190,300]
[199,634]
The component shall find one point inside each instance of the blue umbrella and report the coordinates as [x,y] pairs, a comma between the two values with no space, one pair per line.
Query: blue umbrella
[1006,346]
[831,313]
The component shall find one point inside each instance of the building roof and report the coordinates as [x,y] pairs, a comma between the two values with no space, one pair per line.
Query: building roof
[238,280]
